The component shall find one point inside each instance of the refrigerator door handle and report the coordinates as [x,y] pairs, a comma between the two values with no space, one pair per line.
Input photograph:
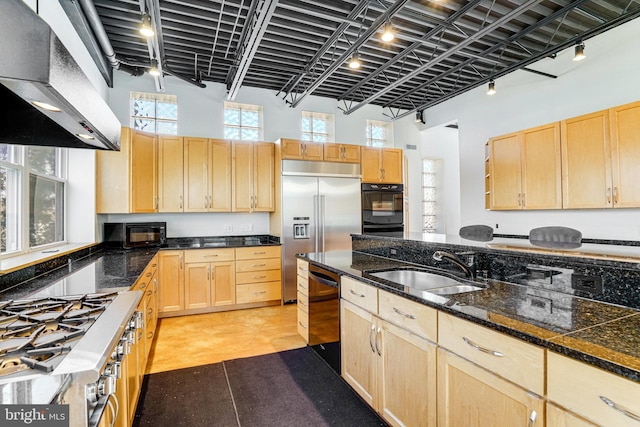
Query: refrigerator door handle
[322,220]
[316,221]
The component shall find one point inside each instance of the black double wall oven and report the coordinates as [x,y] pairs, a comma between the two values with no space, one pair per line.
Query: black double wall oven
[383,209]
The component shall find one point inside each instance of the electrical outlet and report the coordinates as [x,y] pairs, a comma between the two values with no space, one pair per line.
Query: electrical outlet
[246,227]
[228,228]
[496,226]
[591,284]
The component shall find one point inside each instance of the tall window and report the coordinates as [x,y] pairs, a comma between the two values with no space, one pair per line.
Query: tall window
[154,112]
[429,196]
[318,127]
[379,134]
[242,121]
[32,197]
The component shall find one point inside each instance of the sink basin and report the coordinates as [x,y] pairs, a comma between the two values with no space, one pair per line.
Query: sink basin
[416,279]
[455,289]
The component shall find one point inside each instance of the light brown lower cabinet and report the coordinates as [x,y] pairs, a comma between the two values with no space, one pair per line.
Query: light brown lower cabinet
[209,278]
[391,368]
[171,284]
[558,417]
[469,395]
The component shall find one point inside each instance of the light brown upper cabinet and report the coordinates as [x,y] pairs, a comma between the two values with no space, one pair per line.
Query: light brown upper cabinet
[625,155]
[381,165]
[586,162]
[524,169]
[207,175]
[126,180]
[253,176]
[294,149]
[170,173]
[344,153]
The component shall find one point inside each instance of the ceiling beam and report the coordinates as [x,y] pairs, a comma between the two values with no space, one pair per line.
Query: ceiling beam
[382,19]
[249,49]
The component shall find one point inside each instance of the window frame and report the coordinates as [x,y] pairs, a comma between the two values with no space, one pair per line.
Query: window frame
[329,120]
[155,97]
[23,171]
[243,107]
[387,142]
[434,200]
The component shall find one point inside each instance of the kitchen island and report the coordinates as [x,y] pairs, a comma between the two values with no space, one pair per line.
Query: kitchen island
[577,351]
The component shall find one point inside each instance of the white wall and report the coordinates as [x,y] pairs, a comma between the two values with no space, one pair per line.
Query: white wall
[608,77]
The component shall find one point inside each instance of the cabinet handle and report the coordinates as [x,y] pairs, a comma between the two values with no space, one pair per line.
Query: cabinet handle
[208,273]
[356,294]
[303,269]
[259,277]
[150,335]
[210,256]
[300,323]
[615,195]
[302,286]
[377,347]
[401,313]
[148,274]
[532,418]
[180,262]
[373,328]
[608,194]
[258,265]
[149,292]
[482,349]
[260,292]
[157,202]
[523,200]
[611,404]
[301,303]
[258,253]
[180,202]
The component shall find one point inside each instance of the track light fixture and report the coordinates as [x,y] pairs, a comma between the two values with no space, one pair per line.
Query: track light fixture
[579,55]
[419,116]
[354,61]
[492,88]
[154,69]
[387,32]
[145,28]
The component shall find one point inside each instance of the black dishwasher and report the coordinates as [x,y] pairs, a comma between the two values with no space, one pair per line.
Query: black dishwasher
[324,314]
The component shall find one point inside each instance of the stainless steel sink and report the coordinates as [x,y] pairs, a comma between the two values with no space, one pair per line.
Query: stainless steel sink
[456,289]
[416,279]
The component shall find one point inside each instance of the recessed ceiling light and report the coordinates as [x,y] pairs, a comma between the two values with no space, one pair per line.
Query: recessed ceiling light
[84,136]
[388,33]
[354,61]
[46,106]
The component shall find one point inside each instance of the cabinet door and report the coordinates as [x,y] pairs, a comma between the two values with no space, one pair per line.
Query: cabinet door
[171,283]
[219,176]
[506,172]
[264,177]
[371,164]
[112,177]
[197,288]
[144,175]
[333,152]
[471,396]
[196,179]
[541,168]
[312,151]
[242,176]
[392,165]
[223,283]
[586,172]
[358,357]
[625,155]
[170,174]
[291,149]
[558,417]
[407,378]
[350,153]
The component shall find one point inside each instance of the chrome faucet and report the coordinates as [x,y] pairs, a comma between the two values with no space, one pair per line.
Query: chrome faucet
[469,269]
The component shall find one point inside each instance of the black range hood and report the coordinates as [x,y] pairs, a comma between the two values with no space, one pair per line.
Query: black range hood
[36,67]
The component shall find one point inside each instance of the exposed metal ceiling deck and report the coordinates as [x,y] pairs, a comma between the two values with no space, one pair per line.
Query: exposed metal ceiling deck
[300,47]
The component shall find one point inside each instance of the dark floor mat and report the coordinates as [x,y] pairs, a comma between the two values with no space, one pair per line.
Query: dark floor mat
[294,388]
[186,397]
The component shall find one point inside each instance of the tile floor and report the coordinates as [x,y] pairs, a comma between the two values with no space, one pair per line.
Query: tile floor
[187,341]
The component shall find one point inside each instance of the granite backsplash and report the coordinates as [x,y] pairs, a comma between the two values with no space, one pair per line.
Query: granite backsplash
[602,280]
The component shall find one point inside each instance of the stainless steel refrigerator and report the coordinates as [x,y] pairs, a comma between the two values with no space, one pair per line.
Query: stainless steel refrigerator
[320,210]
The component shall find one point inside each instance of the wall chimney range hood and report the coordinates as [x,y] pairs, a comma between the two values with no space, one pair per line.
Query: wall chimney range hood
[45,96]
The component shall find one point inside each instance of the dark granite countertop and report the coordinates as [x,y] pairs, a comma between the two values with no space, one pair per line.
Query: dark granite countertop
[601,334]
[221,241]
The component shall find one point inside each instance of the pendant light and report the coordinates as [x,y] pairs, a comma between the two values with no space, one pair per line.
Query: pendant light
[579,55]
[145,28]
[154,69]
[354,61]
[387,32]
[492,88]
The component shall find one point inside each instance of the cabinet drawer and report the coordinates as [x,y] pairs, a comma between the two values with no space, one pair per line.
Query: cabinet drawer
[257,252]
[508,357]
[303,268]
[303,285]
[259,264]
[415,317]
[303,302]
[209,255]
[361,294]
[591,392]
[257,292]
[303,324]
[258,276]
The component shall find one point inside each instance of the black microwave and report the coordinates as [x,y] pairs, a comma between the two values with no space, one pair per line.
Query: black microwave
[129,235]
